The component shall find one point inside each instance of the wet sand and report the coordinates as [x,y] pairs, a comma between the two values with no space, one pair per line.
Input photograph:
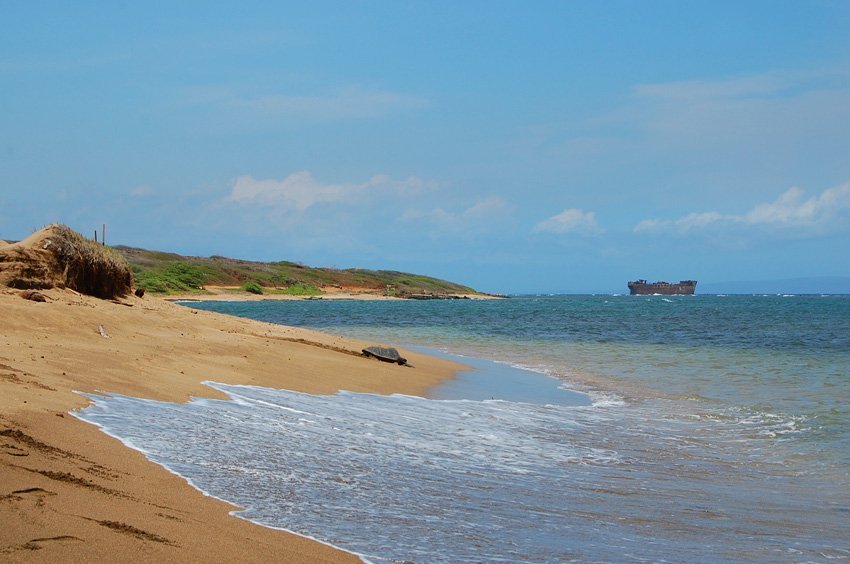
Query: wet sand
[236,294]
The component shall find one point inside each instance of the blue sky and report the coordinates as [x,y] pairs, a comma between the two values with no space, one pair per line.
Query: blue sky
[515,146]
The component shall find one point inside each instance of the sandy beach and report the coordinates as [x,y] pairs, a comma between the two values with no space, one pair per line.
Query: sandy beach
[71,493]
[226,294]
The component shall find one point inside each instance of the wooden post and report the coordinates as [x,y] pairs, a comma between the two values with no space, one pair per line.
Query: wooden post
[95,235]
[103,235]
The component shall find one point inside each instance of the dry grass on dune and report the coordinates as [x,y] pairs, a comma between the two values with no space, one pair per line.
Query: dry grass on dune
[59,257]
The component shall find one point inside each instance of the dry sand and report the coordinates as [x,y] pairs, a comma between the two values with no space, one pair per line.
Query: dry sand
[68,492]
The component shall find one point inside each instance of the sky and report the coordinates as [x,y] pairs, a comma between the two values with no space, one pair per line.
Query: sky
[547,146]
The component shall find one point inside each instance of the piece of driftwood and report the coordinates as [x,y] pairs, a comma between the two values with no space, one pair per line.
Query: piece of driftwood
[33,296]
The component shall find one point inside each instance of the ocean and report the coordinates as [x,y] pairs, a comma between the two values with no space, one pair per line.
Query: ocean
[593,428]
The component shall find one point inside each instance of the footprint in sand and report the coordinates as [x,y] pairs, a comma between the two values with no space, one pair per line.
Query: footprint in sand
[31,494]
[36,544]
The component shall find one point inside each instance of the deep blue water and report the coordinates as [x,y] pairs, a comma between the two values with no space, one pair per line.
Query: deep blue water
[717,429]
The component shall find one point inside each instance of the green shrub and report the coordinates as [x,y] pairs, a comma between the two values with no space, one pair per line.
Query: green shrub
[297,289]
[153,282]
[187,275]
[252,287]
[302,289]
[175,277]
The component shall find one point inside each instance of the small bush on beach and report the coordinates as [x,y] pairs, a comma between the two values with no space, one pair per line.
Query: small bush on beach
[175,277]
[299,289]
[252,287]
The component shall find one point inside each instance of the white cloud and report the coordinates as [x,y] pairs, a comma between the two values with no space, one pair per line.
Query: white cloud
[345,103]
[350,102]
[683,224]
[483,213]
[692,90]
[141,191]
[438,215]
[300,190]
[571,220]
[486,209]
[748,123]
[789,211]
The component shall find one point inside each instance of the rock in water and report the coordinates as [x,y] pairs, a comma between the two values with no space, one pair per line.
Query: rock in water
[387,354]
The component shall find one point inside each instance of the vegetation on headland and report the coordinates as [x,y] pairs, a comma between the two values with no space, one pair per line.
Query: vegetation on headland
[169,273]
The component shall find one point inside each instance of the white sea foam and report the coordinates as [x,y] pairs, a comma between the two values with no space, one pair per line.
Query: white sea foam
[410,478]
[605,399]
[108,414]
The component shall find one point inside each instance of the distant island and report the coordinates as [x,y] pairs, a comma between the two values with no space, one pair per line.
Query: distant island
[809,285]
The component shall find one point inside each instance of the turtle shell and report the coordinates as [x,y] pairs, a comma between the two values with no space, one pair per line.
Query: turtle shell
[387,354]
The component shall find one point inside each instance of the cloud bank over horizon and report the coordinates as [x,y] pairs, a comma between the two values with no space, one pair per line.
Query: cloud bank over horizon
[300,190]
[819,215]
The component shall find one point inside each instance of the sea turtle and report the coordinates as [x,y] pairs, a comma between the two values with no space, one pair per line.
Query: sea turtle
[387,354]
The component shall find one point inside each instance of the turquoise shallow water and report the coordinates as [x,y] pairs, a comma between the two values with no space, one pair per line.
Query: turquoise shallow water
[717,428]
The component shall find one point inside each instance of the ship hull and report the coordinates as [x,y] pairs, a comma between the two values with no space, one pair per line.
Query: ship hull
[643,288]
